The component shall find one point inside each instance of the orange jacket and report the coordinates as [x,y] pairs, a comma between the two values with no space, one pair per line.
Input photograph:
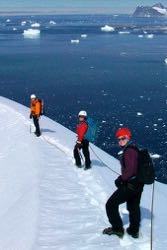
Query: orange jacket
[35,108]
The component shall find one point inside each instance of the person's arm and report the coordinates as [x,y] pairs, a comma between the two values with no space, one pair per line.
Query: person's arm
[131,164]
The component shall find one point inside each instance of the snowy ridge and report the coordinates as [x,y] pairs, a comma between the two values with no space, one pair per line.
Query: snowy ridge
[53,205]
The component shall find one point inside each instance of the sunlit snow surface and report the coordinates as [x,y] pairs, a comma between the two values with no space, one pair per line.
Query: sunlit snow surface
[46,203]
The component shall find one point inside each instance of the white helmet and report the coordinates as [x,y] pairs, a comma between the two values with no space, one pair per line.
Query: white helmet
[82,113]
[33,96]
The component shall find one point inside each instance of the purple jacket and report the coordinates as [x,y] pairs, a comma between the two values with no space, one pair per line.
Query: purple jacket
[129,163]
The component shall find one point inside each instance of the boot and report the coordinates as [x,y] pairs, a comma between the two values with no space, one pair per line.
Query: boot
[135,235]
[111,231]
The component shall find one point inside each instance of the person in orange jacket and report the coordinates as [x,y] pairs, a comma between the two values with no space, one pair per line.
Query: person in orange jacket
[35,113]
[82,142]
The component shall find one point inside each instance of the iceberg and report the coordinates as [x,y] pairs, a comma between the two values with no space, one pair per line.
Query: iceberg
[31,33]
[35,25]
[8,20]
[52,22]
[84,35]
[140,36]
[75,41]
[139,114]
[150,36]
[23,23]
[107,28]
[165,60]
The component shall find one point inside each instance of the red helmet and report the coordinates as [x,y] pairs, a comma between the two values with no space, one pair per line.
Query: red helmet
[123,132]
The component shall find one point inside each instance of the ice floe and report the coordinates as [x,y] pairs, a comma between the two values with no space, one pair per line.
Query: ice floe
[140,36]
[84,35]
[139,114]
[31,33]
[35,25]
[8,20]
[124,32]
[23,23]
[155,156]
[52,22]
[150,36]
[166,60]
[75,41]
[107,28]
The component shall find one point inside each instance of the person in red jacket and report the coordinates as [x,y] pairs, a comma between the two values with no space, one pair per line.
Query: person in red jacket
[129,190]
[82,143]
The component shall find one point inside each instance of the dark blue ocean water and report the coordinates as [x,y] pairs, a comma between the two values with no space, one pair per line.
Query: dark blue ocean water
[111,75]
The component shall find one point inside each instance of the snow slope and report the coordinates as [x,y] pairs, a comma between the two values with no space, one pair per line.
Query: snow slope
[46,203]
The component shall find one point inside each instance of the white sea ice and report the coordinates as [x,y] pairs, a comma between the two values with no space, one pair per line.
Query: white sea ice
[75,41]
[84,35]
[139,114]
[107,28]
[150,36]
[8,20]
[52,22]
[23,23]
[155,156]
[124,32]
[140,36]
[165,60]
[35,25]
[31,33]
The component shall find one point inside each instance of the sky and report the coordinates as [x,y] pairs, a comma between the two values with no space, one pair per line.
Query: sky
[113,6]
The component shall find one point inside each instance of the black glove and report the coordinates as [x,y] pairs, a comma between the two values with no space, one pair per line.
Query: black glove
[78,145]
[118,182]
[30,116]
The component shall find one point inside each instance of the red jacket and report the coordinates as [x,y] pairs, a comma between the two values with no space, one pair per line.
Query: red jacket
[81,130]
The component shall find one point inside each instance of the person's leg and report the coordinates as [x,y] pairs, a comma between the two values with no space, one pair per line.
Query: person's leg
[86,153]
[77,157]
[36,123]
[133,206]
[112,208]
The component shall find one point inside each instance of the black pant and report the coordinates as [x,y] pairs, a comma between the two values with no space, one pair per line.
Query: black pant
[85,150]
[36,123]
[121,195]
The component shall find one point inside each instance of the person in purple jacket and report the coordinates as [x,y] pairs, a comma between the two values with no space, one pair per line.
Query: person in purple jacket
[129,190]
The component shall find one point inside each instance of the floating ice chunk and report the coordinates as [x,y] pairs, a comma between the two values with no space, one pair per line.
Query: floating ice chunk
[8,20]
[103,121]
[84,35]
[150,36]
[31,33]
[139,114]
[23,23]
[52,22]
[14,29]
[160,119]
[75,41]
[107,28]
[145,32]
[140,36]
[35,25]
[155,156]
[165,60]
[124,32]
